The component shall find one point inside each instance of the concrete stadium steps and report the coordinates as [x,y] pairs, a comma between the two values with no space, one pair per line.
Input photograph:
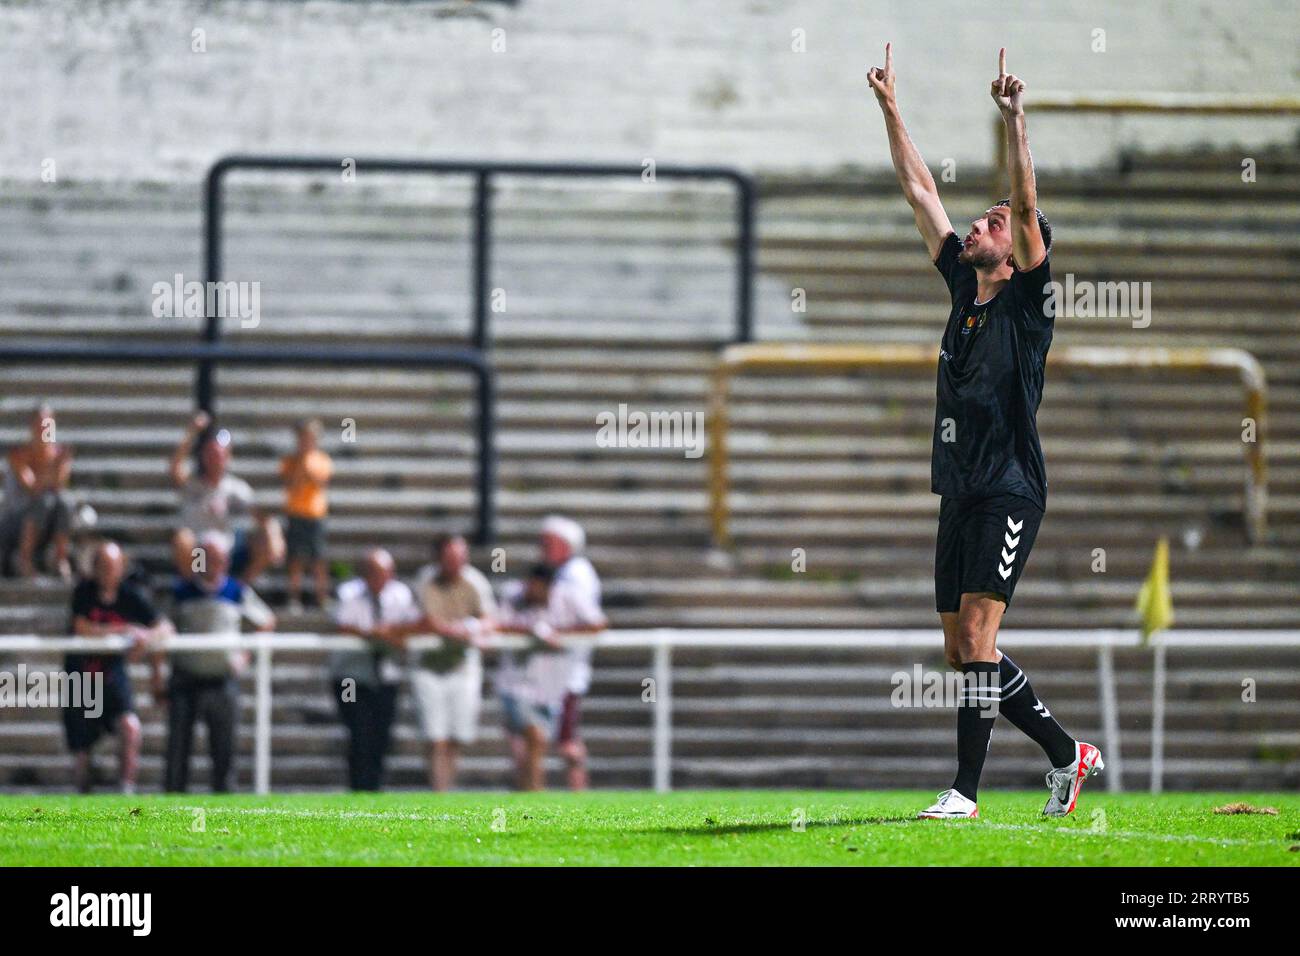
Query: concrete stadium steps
[854,250]
[747,718]
[665,247]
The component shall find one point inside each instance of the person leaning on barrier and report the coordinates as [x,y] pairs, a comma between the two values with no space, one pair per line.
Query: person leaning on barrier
[108,605]
[532,682]
[562,543]
[205,683]
[379,609]
[448,682]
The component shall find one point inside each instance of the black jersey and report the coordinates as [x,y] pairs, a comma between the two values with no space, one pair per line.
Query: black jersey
[130,606]
[990,383]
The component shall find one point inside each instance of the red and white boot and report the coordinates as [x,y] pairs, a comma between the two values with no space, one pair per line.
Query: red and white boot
[1066,782]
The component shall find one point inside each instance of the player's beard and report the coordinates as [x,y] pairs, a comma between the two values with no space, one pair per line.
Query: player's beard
[980,260]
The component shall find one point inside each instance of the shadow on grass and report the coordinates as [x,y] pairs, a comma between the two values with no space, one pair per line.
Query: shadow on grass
[710,828]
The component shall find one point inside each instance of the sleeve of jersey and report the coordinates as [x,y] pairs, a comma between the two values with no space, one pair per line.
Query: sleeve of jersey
[145,610]
[412,608]
[487,601]
[241,497]
[80,601]
[345,612]
[946,262]
[573,605]
[1033,289]
[254,609]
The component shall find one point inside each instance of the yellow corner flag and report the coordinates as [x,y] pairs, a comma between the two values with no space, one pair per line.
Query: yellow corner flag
[1154,602]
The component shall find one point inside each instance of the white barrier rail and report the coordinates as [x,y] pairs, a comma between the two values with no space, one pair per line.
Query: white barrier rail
[662,642]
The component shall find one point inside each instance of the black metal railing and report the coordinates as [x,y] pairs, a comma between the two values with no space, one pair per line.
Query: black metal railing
[481,260]
[213,354]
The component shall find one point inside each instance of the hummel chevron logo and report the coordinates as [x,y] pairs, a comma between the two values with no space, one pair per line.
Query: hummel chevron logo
[1004,568]
[1042,709]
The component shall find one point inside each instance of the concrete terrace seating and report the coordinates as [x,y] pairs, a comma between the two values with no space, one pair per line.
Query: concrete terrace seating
[622,295]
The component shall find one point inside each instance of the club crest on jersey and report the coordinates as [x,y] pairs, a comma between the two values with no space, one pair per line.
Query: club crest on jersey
[973,323]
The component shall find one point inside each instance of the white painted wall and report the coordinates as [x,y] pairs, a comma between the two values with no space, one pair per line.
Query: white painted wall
[110,89]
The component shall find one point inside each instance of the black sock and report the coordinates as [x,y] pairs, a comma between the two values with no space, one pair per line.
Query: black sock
[1020,706]
[976,710]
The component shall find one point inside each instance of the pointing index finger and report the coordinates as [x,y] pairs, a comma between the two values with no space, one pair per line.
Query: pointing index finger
[889,57]
[1002,61]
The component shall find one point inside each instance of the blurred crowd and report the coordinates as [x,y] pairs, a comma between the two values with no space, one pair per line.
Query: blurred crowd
[223,544]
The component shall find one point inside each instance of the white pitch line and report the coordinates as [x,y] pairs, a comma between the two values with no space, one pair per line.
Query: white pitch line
[1132,835]
[311,814]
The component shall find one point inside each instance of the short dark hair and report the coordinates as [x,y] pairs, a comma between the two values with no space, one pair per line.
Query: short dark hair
[1044,226]
[441,541]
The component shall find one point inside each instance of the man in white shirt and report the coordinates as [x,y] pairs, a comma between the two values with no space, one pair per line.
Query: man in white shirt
[533,683]
[578,585]
[378,608]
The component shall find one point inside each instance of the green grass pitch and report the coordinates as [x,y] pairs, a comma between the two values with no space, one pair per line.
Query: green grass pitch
[637,828]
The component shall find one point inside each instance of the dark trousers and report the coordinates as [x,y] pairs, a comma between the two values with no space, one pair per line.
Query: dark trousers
[215,701]
[369,720]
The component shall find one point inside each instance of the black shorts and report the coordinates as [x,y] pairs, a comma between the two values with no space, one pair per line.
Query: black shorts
[83,732]
[983,546]
[305,538]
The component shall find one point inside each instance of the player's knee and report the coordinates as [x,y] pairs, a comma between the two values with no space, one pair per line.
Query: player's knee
[973,642]
[573,751]
[130,727]
[953,657]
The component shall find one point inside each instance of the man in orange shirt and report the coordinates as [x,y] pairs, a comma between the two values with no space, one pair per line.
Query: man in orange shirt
[306,474]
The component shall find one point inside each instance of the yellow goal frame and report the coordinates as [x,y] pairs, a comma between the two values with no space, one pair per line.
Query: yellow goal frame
[808,358]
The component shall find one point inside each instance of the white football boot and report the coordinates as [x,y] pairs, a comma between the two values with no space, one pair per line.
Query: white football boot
[1066,782]
[950,805]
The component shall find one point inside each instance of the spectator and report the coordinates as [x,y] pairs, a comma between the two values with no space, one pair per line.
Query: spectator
[107,605]
[306,474]
[562,543]
[37,505]
[448,683]
[205,684]
[213,501]
[379,609]
[531,683]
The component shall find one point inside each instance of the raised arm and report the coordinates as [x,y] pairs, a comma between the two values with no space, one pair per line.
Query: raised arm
[913,176]
[1027,245]
[179,467]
